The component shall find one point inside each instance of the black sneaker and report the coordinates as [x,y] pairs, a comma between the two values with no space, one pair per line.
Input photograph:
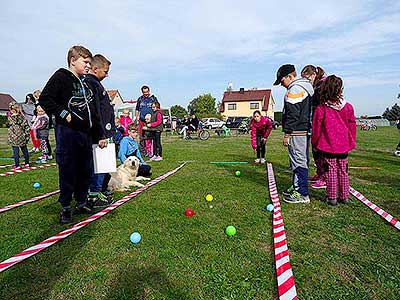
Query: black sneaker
[83,209]
[65,216]
[97,201]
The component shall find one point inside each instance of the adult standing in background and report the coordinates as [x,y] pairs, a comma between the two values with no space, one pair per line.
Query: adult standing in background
[143,107]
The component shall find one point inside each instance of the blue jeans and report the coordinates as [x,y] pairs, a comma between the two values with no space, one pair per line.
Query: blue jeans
[16,154]
[96,182]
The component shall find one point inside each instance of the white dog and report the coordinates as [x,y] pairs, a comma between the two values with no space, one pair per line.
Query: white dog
[126,175]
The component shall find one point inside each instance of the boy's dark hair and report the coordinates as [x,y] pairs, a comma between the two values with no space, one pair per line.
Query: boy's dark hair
[331,89]
[132,127]
[145,87]
[256,112]
[78,51]
[310,69]
[100,61]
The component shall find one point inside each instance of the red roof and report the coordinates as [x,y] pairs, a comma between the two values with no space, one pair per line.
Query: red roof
[112,94]
[5,99]
[250,95]
[130,101]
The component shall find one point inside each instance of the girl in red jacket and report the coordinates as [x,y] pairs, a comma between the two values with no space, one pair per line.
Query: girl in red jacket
[334,134]
[260,127]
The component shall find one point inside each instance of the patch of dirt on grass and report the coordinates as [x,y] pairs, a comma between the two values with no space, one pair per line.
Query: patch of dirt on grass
[266,247]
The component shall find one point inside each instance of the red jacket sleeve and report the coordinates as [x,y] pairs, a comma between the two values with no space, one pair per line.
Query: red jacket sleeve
[253,134]
[316,126]
[268,128]
[159,119]
[352,124]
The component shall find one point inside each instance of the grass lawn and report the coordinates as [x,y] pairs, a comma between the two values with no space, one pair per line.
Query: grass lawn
[343,252]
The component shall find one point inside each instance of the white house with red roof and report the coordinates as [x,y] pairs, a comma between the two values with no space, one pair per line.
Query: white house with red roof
[243,103]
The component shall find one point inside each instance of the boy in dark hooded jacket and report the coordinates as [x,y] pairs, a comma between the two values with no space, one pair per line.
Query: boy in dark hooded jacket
[66,97]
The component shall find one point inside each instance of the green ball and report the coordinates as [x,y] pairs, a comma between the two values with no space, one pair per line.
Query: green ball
[230,230]
[237,173]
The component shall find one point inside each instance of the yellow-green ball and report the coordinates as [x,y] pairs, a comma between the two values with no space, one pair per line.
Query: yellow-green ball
[237,173]
[230,230]
[209,198]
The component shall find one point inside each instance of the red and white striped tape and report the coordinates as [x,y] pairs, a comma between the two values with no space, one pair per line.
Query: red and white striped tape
[392,220]
[26,169]
[5,166]
[284,273]
[62,235]
[34,199]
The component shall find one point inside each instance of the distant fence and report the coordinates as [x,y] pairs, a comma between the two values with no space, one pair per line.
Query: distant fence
[377,122]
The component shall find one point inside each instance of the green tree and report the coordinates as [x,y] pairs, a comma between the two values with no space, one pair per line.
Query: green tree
[178,111]
[203,106]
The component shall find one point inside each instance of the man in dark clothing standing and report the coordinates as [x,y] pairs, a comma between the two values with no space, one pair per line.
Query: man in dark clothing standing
[143,107]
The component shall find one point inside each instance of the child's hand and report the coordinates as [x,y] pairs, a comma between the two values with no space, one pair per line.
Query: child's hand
[286,140]
[144,128]
[148,125]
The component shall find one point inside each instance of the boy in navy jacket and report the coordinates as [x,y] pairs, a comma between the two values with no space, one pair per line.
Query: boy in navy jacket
[66,97]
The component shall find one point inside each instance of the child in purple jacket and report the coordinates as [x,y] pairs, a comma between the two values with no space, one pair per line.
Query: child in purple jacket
[334,134]
[260,127]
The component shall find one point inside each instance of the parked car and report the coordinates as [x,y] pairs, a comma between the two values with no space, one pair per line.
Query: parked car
[212,123]
[234,122]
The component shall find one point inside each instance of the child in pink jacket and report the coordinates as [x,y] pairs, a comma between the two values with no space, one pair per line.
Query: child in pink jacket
[125,120]
[334,134]
[260,127]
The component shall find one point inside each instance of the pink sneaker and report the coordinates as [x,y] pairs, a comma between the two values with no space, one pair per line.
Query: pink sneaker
[319,184]
[315,178]
[158,158]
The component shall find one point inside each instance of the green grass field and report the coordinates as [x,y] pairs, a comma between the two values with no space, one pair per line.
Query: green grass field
[343,252]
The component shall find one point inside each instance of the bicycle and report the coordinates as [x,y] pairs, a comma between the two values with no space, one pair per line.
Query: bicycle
[202,134]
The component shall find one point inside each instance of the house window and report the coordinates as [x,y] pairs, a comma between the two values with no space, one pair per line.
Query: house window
[254,105]
[232,106]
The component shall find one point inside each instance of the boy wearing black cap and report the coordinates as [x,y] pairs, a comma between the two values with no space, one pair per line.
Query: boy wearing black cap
[296,125]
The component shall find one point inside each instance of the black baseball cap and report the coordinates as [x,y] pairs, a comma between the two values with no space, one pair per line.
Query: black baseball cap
[283,71]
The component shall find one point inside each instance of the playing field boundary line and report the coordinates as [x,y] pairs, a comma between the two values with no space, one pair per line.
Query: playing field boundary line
[34,199]
[63,234]
[388,217]
[284,273]
[27,169]
[5,166]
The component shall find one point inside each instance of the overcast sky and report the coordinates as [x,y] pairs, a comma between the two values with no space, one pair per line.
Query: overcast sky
[186,48]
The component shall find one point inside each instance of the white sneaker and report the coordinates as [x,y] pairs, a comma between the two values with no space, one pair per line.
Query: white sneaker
[257,161]
[262,160]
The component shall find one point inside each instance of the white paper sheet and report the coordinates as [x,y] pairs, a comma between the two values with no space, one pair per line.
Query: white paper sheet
[104,160]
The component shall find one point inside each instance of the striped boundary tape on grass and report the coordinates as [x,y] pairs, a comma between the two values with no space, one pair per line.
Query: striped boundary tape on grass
[23,170]
[5,166]
[34,199]
[63,234]
[284,273]
[392,220]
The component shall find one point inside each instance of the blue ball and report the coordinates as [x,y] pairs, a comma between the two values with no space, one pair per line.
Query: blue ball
[135,237]
[36,185]
[270,207]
